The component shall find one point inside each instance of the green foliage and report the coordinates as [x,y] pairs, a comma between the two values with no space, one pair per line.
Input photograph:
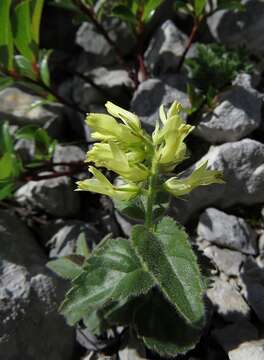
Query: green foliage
[152,281]
[215,67]
[11,166]
[200,9]
[6,40]
[134,12]
[27,64]
[169,259]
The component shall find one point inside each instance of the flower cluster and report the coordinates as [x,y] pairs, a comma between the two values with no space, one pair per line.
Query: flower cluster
[126,149]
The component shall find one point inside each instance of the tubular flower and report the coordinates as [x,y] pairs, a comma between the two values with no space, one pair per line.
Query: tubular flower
[170,138]
[100,184]
[200,176]
[105,127]
[128,118]
[112,157]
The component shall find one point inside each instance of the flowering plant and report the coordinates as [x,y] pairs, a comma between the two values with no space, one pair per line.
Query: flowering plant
[152,281]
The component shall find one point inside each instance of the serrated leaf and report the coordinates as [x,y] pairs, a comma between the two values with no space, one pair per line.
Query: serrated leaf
[22,33]
[162,329]
[168,257]
[65,267]
[111,274]
[6,40]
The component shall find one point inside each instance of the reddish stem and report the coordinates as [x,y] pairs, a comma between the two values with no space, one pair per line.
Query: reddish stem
[192,36]
[119,55]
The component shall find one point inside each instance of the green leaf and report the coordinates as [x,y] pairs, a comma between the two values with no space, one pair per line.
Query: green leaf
[6,40]
[5,81]
[6,166]
[6,189]
[199,6]
[22,33]
[24,67]
[65,267]
[113,273]
[44,68]
[124,13]
[82,247]
[37,7]
[133,208]
[162,329]
[230,5]
[6,139]
[149,8]
[27,132]
[168,257]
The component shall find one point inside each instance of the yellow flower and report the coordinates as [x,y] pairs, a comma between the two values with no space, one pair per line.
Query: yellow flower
[170,138]
[201,176]
[128,118]
[106,128]
[114,158]
[101,185]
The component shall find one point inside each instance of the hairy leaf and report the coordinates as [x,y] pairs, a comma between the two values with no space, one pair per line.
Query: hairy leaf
[65,267]
[162,329]
[168,257]
[111,274]
[6,40]
[82,247]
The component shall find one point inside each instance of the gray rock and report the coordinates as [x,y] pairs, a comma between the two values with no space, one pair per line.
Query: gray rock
[227,301]
[242,163]
[31,327]
[64,242]
[227,261]
[154,92]
[96,46]
[68,154]
[231,336]
[53,196]
[237,114]
[253,350]
[261,243]
[227,231]
[25,148]
[16,107]
[165,49]
[113,83]
[241,28]
[252,277]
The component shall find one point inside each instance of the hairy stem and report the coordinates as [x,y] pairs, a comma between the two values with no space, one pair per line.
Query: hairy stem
[151,196]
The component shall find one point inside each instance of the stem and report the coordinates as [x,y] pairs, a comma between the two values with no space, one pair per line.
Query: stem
[151,195]
[120,58]
[192,36]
